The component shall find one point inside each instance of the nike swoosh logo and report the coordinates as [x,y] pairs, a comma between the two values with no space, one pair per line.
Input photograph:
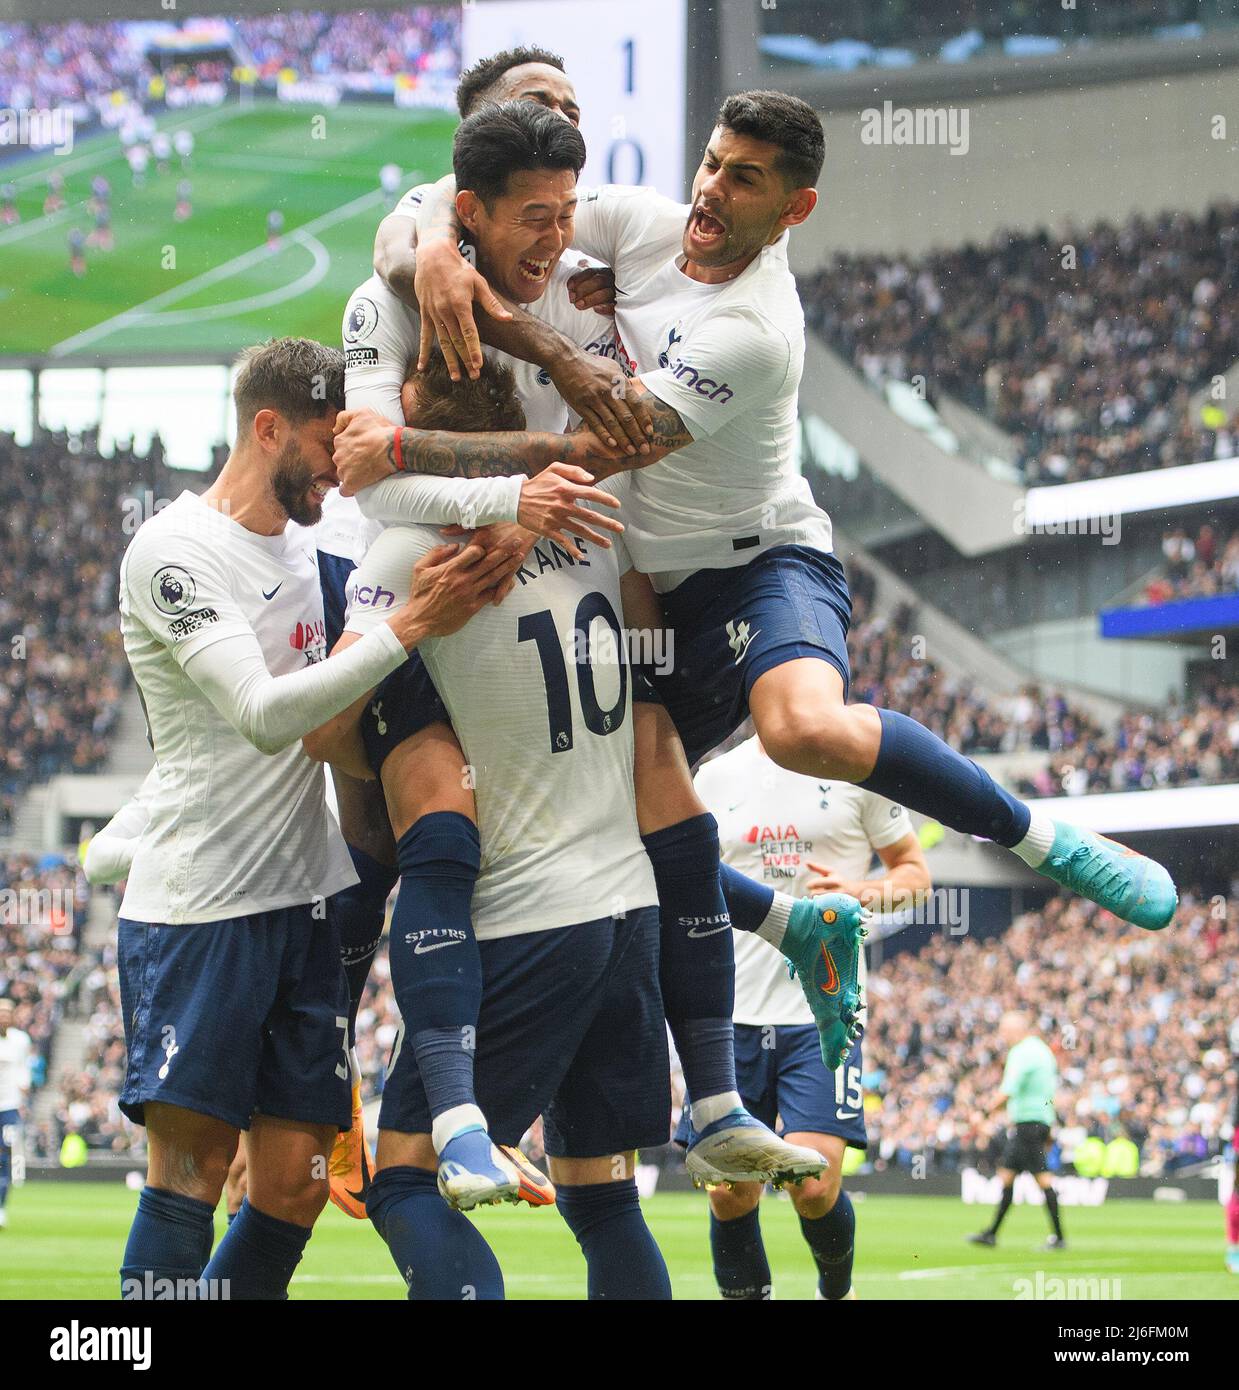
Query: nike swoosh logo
[693,932]
[421,948]
[365,1187]
[846,1114]
[272,594]
[736,807]
[747,642]
[832,974]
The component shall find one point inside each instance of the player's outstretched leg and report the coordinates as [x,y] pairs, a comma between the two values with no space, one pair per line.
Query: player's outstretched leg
[804,725]
[1232,1225]
[697,971]
[697,974]
[821,939]
[439,1253]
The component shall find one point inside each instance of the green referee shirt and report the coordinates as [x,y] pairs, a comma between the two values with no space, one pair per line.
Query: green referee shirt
[1029,1081]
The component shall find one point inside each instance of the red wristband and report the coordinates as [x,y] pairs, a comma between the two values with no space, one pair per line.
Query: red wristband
[397,452]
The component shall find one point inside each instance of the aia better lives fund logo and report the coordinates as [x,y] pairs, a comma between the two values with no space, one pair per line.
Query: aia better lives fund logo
[782,849]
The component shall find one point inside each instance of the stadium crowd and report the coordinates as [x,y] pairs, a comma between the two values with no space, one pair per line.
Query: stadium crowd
[1195,568]
[42,908]
[44,65]
[1139,1024]
[1090,360]
[63,668]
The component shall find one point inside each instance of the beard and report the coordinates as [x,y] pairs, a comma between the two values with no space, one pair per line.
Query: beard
[291,480]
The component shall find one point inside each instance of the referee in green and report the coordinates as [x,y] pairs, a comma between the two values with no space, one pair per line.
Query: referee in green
[1029,1082]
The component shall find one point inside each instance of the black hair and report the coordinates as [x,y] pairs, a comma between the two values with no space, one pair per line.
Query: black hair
[498,140]
[784,121]
[476,82]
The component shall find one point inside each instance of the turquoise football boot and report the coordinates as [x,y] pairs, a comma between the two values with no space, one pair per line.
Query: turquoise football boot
[1123,881]
[823,945]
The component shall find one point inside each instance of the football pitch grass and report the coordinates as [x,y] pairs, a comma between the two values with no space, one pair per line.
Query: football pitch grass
[64,1241]
[210,284]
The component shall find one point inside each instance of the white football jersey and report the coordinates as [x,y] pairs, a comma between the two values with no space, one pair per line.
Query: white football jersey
[14,1068]
[729,359]
[540,695]
[381,335]
[232,831]
[771,823]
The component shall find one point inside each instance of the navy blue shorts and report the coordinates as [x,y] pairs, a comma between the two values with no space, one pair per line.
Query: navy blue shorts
[571,1028]
[333,573]
[781,1078]
[10,1125]
[731,626]
[238,1017]
[403,705]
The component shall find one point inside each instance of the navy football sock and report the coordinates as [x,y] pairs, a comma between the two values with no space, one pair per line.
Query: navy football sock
[436,969]
[620,1254]
[170,1239]
[917,770]
[748,902]
[257,1256]
[741,1269]
[439,1252]
[358,913]
[832,1239]
[697,968]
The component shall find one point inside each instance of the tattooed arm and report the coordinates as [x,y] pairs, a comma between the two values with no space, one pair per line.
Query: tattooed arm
[369,448]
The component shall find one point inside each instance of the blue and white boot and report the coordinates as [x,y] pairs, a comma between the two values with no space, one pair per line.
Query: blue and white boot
[739,1148]
[1123,881]
[473,1171]
[822,944]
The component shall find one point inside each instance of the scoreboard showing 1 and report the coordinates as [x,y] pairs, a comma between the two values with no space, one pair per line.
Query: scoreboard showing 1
[626,59]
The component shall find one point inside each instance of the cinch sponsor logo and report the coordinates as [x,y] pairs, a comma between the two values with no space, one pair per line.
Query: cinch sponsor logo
[703,385]
[375,596]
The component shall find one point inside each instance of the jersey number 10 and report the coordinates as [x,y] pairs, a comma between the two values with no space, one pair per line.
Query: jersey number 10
[539,628]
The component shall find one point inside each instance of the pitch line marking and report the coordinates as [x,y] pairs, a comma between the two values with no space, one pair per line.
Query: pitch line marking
[140,313]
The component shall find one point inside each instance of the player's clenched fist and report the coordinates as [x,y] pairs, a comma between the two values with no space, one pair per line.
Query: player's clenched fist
[364,449]
[559,500]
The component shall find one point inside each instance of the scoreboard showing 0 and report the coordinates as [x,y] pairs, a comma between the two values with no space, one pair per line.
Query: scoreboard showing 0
[626,59]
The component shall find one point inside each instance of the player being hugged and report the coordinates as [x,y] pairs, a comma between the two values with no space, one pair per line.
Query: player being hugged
[549,937]
[709,326]
[233,996]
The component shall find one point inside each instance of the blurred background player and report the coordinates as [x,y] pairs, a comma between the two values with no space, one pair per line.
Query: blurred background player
[100,193]
[1029,1083]
[101,237]
[183,144]
[275,225]
[8,204]
[389,182]
[14,1088]
[184,206]
[161,151]
[55,199]
[77,254]
[139,159]
[802,836]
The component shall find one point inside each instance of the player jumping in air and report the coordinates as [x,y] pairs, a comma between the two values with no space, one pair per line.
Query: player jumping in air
[521,233]
[710,327]
[233,996]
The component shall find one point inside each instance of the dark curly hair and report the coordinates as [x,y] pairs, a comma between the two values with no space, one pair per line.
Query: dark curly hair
[476,82]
